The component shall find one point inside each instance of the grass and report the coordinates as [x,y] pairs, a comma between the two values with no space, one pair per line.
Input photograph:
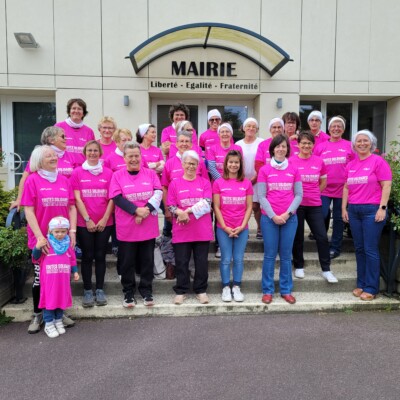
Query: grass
[4,319]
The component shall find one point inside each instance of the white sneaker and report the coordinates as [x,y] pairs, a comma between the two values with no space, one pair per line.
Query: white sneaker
[218,253]
[299,273]
[329,277]
[51,331]
[237,294]
[60,326]
[226,294]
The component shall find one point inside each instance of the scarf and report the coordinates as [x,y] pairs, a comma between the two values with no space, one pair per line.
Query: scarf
[59,246]
[48,175]
[72,124]
[60,153]
[119,152]
[279,165]
[93,169]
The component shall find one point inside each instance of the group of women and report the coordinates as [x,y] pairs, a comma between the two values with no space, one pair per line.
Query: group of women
[116,183]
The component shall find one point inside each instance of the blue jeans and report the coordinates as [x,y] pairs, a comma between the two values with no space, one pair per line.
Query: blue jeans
[278,238]
[366,236]
[232,247]
[338,225]
[51,315]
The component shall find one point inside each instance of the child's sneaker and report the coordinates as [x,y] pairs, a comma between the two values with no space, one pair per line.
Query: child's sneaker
[51,331]
[60,326]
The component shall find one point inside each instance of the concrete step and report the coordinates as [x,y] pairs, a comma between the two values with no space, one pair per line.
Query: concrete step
[306,302]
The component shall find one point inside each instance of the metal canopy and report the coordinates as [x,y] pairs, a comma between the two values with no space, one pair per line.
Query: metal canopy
[251,45]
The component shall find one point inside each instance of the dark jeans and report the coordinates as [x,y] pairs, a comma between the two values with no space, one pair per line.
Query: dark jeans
[338,225]
[36,289]
[182,258]
[94,247]
[167,228]
[366,237]
[315,220]
[133,254]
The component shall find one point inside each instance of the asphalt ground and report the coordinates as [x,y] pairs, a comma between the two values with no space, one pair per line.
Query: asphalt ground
[290,356]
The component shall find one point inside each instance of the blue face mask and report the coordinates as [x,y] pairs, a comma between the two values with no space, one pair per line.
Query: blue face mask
[59,246]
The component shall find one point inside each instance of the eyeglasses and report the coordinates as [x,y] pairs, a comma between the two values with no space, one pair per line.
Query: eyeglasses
[107,128]
[314,120]
[306,143]
[191,164]
[61,136]
[214,120]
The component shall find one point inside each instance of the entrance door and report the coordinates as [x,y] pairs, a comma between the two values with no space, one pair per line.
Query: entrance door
[234,112]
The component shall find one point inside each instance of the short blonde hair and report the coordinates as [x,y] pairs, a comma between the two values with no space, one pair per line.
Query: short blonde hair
[117,134]
[35,161]
[107,119]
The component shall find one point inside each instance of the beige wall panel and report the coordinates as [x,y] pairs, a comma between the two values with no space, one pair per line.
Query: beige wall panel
[385,41]
[352,40]
[281,23]
[162,15]
[33,81]
[244,68]
[93,99]
[392,121]
[3,80]
[317,87]
[128,117]
[78,82]
[318,40]
[3,36]
[124,25]
[126,83]
[36,17]
[384,88]
[351,87]
[77,26]
[280,86]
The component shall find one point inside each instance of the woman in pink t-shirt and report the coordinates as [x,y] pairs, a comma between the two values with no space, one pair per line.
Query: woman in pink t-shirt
[291,129]
[280,193]
[313,176]
[336,154]
[107,126]
[232,204]
[136,192]
[314,121]
[146,135]
[181,126]
[76,132]
[115,161]
[365,198]
[189,201]
[47,194]
[54,137]
[91,184]
[217,153]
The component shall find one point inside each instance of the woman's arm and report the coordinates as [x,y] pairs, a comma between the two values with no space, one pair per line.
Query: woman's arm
[72,223]
[345,198]
[103,221]
[80,205]
[17,201]
[386,187]
[323,181]
[218,213]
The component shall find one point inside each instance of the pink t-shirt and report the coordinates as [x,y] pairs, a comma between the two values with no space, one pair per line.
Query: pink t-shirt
[321,137]
[76,140]
[336,155]
[138,189]
[210,138]
[115,162]
[217,153]
[169,134]
[152,154]
[65,165]
[173,150]
[363,177]
[263,151]
[55,279]
[49,200]
[173,169]
[311,170]
[94,193]
[233,200]
[294,148]
[280,186]
[184,194]
[107,149]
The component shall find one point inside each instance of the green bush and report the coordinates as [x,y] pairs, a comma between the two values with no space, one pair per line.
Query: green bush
[13,247]
[6,197]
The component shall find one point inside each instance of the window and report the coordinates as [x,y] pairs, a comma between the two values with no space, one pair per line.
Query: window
[306,106]
[343,109]
[371,116]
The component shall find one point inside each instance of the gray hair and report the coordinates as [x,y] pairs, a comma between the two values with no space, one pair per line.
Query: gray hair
[50,134]
[371,137]
[35,161]
[187,134]
[190,154]
[131,145]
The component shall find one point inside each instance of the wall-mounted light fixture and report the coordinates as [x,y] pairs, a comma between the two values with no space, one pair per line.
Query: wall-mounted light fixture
[26,40]
[279,102]
[126,101]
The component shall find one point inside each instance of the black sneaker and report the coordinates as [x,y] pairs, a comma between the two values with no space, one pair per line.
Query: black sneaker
[129,300]
[148,300]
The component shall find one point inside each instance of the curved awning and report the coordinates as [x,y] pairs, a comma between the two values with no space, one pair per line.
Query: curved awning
[251,45]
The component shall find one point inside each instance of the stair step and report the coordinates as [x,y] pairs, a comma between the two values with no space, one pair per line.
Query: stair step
[306,302]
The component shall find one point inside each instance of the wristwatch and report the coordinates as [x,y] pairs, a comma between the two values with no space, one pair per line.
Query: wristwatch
[87,219]
[290,213]
[382,207]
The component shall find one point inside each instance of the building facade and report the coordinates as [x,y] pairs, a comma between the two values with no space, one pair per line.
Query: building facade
[343,60]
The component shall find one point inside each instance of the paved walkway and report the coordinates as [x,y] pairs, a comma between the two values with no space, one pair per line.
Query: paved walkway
[326,356]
